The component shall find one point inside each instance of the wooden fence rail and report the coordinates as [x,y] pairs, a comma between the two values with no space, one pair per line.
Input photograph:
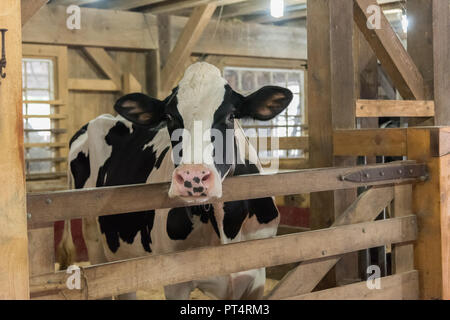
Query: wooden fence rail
[129,275]
[44,209]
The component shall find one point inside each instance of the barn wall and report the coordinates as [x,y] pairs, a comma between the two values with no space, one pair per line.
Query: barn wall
[85,106]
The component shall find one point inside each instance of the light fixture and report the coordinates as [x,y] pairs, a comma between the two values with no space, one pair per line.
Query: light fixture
[277,8]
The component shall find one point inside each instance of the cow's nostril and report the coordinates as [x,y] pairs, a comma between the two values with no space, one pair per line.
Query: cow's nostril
[179,178]
[206,177]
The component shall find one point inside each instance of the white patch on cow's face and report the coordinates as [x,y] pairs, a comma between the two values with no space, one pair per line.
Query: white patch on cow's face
[200,94]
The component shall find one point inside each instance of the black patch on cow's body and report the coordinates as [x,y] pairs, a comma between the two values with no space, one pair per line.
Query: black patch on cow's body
[129,163]
[81,170]
[179,221]
[80,132]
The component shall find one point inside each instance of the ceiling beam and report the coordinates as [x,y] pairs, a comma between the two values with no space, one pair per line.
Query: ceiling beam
[29,8]
[118,4]
[175,5]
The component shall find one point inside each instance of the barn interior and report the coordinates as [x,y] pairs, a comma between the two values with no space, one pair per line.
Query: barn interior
[79,56]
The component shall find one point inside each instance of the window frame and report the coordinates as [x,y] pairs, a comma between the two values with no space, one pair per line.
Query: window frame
[58,115]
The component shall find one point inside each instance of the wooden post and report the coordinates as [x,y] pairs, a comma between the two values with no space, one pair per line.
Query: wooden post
[331,100]
[13,222]
[431,204]
[429,48]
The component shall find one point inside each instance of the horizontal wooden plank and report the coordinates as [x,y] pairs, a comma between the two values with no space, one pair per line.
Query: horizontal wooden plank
[394,108]
[60,159]
[45,176]
[118,29]
[92,85]
[50,207]
[54,131]
[287,163]
[51,102]
[246,39]
[129,275]
[44,116]
[284,143]
[370,142]
[403,286]
[46,145]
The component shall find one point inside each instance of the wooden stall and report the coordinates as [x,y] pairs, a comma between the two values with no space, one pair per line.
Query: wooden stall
[346,77]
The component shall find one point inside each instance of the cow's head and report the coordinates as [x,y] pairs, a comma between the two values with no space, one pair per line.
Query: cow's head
[199,115]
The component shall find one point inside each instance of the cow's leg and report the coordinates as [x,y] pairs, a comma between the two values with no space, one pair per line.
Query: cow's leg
[248,285]
[179,291]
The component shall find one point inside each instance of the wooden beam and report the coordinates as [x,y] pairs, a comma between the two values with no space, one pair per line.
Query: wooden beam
[174,68]
[307,275]
[92,85]
[106,64]
[404,286]
[370,142]
[52,207]
[394,108]
[41,251]
[29,8]
[171,6]
[246,39]
[254,6]
[13,233]
[390,51]
[127,276]
[119,29]
[430,203]
[116,4]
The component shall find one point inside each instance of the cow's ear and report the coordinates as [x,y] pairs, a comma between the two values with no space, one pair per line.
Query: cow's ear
[265,104]
[140,109]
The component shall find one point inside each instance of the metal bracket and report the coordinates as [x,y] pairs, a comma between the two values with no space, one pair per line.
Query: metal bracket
[404,171]
[3,59]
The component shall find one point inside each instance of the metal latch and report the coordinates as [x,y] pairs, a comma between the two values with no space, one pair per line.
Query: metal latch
[404,171]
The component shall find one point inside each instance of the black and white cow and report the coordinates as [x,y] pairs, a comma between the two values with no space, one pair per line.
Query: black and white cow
[155,141]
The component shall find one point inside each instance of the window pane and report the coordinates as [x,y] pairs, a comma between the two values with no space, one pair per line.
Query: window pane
[39,123]
[38,109]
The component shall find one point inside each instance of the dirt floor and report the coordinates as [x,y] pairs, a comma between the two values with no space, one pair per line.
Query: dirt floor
[158,294]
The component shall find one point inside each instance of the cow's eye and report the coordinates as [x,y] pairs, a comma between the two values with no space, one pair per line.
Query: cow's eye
[231,117]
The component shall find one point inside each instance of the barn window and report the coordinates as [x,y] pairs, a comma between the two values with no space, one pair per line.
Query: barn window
[44,86]
[290,123]
[38,91]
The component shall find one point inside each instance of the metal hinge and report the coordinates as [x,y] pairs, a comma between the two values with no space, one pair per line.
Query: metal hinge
[404,171]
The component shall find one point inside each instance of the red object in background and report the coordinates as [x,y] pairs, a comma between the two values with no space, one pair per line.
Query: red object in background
[77,236]
[293,216]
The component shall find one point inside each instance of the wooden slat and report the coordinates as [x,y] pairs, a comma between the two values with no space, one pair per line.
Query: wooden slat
[118,29]
[370,142]
[126,276]
[92,85]
[62,159]
[174,68]
[306,276]
[440,142]
[13,234]
[45,176]
[49,116]
[54,131]
[402,254]
[390,51]
[130,84]
[51,102]
[286,163]
[404,286]
[121,199]
[120,4]
[394,108]
[284,143]
[46,145]
[29,8]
